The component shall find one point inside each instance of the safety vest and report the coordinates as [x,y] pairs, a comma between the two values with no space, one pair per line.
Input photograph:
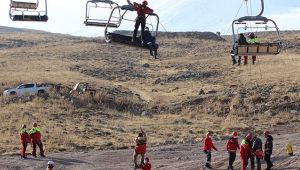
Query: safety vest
[23,131]
[34,130]
[244,142]
[253,40]
[289,149]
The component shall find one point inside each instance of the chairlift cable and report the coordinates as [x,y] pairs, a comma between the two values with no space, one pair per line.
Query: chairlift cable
[236,15]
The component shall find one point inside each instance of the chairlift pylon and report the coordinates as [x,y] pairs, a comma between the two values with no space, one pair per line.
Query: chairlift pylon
[255,22]
[28,11]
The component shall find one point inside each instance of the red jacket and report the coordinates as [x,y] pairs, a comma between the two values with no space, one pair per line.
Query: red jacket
[24,136]
[35,134]
[245,149]
[232,145]
[208,145]
[141,10]
[147,166]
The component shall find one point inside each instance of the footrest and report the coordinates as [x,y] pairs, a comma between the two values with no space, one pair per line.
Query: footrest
[37,18]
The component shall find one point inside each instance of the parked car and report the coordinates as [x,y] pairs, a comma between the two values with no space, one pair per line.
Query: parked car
[26,89]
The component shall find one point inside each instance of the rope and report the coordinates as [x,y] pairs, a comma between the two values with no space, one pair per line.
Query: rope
[236,15]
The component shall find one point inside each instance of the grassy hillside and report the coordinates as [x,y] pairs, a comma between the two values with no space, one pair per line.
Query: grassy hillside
[190,89]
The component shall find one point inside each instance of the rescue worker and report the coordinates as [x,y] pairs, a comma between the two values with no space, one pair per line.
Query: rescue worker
[146,165]
[140,148]
[245,151]
[24,139]
[242,41]
[35,135]
[141,10]
[256,149]
[50,165]
[207,148]
[150,41]
[268,149]
[252,40]
[232,146]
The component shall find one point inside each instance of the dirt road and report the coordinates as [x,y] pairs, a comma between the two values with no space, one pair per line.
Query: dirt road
[173,157]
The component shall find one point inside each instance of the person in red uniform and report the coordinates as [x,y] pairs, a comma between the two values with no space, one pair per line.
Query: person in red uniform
[146,165]
[207,148]
[246,150]
[35,135]
[24,139]
[232,146]
[142,10]
[140,148]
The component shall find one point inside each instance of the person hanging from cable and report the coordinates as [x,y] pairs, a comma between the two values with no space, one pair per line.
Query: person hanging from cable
[142,10]
[252,40]
[150,41]
[242,41]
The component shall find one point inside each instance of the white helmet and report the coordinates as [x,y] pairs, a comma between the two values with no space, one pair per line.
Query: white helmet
[50,163]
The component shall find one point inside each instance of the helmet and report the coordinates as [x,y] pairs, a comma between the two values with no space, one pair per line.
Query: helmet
[50,163]
[145,3]
[209,133]
[251,35]
[146,28]
[23,126]
[234,134]
[34,124]
[249,136]
[146,159]
[266,133]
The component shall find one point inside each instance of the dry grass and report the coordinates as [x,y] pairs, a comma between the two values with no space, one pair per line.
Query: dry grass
[52,59]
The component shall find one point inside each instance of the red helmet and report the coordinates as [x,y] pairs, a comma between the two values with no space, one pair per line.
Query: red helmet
[249,136]
[234,134]
[34,124]
[145,3]
[266,133]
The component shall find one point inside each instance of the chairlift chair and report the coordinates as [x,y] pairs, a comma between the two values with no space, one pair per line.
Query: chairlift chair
[255,22]
[28,11]
[102,5]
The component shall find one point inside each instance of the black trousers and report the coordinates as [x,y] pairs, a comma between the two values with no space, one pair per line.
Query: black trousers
[253,162]
[232,156]
[40,145]
[139,21]
[268,160]
[208,156]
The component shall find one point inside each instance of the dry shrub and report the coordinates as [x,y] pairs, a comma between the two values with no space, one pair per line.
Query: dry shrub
[232,122]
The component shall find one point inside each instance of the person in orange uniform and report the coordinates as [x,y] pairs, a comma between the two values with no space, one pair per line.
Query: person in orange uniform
[146,165]
[232,146]
[35,135]
[246,150]
[24,139]
[140,148]
[207,148]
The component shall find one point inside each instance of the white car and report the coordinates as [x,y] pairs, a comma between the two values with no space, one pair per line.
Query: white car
[26,89]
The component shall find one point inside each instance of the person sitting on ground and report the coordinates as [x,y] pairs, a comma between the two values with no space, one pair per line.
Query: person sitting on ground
[252,40]
[24,139]
[140,148]
[146,165]
[150,41]
[207,148]
[242,41]
[142,10]
[232,146]
[50,165]
[35,135]
[257,152]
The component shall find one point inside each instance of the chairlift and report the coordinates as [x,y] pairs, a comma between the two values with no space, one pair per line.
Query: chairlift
[102,5]
[28,11]
[255,22]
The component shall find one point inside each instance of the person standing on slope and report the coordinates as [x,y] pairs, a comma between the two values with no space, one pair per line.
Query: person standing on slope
[35,135]
[207,148]
[268,149]
[142,10]
[257,150]
[24,139]
[140,148]
[246,151]
[232,146]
